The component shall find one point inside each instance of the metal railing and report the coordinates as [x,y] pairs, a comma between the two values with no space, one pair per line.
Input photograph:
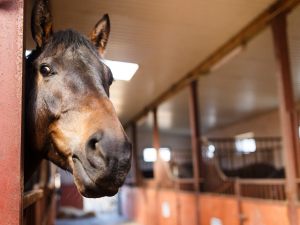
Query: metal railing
[267,150]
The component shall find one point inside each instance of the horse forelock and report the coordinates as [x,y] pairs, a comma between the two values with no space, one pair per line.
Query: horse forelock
[69,39]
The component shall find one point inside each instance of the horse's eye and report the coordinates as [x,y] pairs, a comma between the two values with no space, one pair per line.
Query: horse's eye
[45,70]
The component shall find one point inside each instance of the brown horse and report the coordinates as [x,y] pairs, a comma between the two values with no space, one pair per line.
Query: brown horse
[69,117]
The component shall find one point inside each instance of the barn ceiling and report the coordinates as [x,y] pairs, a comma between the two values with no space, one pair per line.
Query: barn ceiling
[168,38]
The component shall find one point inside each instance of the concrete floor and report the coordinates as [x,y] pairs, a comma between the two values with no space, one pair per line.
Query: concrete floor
[104,219]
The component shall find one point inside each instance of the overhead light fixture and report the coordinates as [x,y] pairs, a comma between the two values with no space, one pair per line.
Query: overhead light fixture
[233,53]
[122,70]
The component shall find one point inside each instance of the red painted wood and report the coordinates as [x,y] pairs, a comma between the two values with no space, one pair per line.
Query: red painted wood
[71,197]
[11,67]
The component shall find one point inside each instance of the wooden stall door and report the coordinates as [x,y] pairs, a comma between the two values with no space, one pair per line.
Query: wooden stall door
[11,70]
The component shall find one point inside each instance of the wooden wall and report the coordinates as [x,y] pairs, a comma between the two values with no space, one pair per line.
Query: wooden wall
[70,197]
[145,206]
[265,212]
[11,70]
[263,125]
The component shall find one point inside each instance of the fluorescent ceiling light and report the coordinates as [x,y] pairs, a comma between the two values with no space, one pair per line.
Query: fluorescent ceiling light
[122,70]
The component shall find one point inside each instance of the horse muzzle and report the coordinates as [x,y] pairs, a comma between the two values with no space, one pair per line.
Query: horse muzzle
[102,167]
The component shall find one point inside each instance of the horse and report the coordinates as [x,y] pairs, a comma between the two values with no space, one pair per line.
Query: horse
[69,118]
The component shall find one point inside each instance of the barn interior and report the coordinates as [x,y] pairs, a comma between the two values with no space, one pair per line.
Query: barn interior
[212,111]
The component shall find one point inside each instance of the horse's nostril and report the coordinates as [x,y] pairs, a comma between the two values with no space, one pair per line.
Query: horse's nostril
[75,157]
[93,144]
[94,141]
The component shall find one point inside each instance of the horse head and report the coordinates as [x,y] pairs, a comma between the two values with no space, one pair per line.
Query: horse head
[69,117]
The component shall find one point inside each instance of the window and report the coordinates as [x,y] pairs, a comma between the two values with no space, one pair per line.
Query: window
[245,143]
[150,155]
[210,153]
[165,154]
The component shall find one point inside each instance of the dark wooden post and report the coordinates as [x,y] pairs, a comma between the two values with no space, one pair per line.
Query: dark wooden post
[161,173]
[156,143]
[135,157]
[287,114]
[195,131]
[196,142]
[159,170]
[11,76]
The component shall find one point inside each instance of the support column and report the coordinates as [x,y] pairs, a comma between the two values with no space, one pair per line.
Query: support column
[156,143]
[287,113]
[196,142]
[11,76]
[135,158]
[195,131]
[159,170]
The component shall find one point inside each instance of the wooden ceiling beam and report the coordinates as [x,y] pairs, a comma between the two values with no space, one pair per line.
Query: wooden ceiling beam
[262,21]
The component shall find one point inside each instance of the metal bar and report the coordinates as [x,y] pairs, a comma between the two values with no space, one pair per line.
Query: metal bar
[287,116]
[11,77]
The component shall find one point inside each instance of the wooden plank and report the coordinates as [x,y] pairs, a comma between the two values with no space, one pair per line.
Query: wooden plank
[11,71]
[262,181]
[287,115]
[241,38]
[237,190]
[195,132]
[195,140]
[135,159]
[162,175]
[156,142]
[32,197]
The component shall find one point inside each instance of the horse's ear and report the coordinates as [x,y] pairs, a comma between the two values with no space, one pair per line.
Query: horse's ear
[100,33]
[41,22]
